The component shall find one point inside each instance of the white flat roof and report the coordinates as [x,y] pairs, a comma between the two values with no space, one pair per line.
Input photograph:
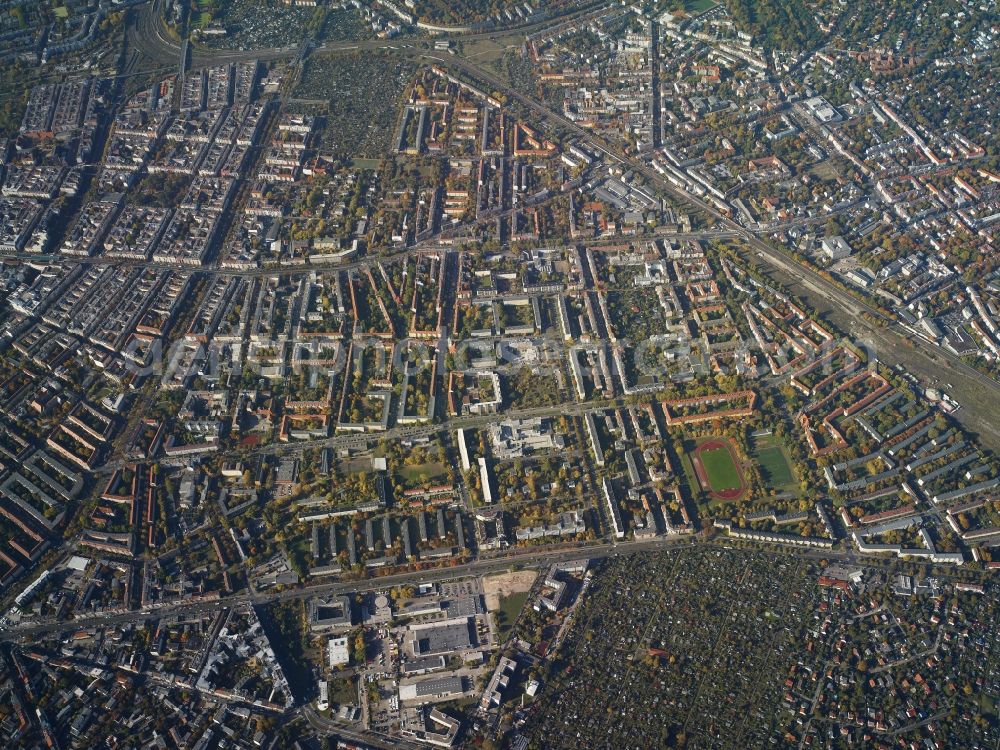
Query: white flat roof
[78,563]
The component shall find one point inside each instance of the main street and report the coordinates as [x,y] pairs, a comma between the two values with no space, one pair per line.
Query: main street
[534,557]
[531,557]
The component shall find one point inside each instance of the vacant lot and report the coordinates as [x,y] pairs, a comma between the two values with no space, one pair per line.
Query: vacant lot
[502,585]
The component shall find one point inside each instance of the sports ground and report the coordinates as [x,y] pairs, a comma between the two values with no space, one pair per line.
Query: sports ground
[717,467]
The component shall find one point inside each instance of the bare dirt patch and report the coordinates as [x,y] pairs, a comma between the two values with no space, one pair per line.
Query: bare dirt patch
[505,584]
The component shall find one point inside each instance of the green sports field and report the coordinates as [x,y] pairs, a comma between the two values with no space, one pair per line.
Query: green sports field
[722,473]
[718,472]
[775,467]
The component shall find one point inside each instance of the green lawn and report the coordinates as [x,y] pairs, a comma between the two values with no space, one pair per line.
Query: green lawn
[484,50]
[300,552]
[510,608]
[721,470]
[774,467]
[690,478]
[419,473]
